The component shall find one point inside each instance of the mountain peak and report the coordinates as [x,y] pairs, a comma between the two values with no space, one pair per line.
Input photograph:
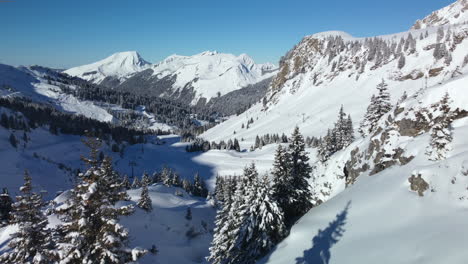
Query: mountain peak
[455,13]
[117,66]
[132,57]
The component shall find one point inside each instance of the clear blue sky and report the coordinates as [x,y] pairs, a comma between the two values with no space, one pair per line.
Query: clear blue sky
[66,33]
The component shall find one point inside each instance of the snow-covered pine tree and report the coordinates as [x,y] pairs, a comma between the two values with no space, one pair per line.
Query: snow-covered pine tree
[145,202]
[236,145]
[264,222]
[379,106]
[136,183]
[366,122]
[441,136]
[228,221]
[282,186]
[219,189]
[126,182]
[349,132]
[199,187]
[33,242]
[90,231]
[145,179]
[187,186]
[300,172]
[5,207]
[166,176]
[340,129]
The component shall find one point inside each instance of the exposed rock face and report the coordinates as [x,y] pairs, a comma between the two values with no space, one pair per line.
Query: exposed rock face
[453,14]
[384,150]
[418,184]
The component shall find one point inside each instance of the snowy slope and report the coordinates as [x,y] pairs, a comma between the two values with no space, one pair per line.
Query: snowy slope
[455,13]
[310,89]
[117,66]
[384,214]
[165,226]
[210,72]
[31,83]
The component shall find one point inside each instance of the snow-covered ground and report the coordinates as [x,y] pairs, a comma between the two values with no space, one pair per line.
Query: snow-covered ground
[164,227]
[385,221]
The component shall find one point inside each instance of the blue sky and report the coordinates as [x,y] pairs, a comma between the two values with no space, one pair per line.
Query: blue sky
[66,33]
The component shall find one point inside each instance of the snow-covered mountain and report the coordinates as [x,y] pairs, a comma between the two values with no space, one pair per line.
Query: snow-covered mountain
[383,193]
[210,72]
[455,13]
[112,70]
[330,69]
[188,78]
[33,82]
[202,76]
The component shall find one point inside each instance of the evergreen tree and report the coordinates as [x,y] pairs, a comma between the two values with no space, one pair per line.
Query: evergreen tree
[300,172]
[441,135]
[5,207]
[136,183]
[145,202]
[224,233]
[32,243]
[166,176]
[126,182]
[199,187]
[145,179]
[282,187]
[349,132]
[265,221]
[90,230]
[379,106]
[236,145]
[340,132]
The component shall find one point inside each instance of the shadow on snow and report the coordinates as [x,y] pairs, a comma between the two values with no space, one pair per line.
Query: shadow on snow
[324,240]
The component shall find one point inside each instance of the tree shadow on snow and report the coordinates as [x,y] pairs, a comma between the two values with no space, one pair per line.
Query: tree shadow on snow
[324,240]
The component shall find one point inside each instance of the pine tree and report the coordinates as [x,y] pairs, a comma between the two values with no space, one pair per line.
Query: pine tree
[300,172]
[236,145]
[136,183]
[282,181]
[166,176]
[238,215]
[5,207]
[219,189]
[199,187]
[32,243]
[349,132]
[145,202]
[255,221]
[224,233]
[145,179]
[441,135]
[90,231]
[126,182]
[379,106]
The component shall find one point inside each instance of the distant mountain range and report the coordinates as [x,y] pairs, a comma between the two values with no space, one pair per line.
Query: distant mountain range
[190,79]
